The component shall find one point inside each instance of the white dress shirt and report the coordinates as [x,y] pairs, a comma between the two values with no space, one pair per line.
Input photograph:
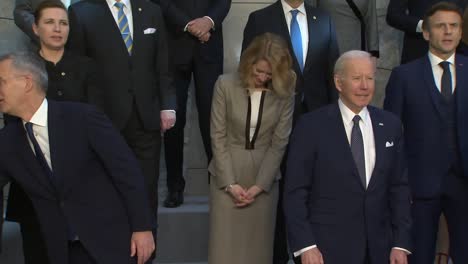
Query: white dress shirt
[127,9]
[41,131]
[437,70]
[302,20]
[365,124]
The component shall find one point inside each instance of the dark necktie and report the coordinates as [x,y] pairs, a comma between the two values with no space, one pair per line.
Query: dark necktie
[357,148]
[39,155]
[446,82]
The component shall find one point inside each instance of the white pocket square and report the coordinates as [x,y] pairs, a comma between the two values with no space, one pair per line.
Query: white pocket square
[149,31]
[389,144]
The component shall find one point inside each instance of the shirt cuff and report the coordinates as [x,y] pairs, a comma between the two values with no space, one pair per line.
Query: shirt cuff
[419,26]
[299,252]
[172,111]
[402,249]
[212,22]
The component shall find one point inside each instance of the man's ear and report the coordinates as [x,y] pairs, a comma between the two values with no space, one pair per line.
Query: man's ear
[337,80]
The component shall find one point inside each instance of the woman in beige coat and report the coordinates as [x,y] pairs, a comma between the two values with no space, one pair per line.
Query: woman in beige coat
[251,120]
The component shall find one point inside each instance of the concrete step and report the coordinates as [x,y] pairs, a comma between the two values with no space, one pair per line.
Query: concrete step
[183,232]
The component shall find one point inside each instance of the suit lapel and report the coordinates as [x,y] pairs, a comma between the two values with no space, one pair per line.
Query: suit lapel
[27,155]
[342,143]
[312,28]
[460,93]
[57,141]
[378,127]
[137,15]
[431,86]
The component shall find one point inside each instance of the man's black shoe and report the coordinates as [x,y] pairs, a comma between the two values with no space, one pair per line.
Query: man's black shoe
[174,199]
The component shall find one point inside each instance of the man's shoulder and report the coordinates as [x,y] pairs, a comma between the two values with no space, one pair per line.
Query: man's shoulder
[262,12]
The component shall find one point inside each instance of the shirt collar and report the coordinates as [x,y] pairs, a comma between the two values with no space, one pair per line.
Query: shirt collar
[40,116]
[287,8]
[127,3]
[436,60]
[348,115]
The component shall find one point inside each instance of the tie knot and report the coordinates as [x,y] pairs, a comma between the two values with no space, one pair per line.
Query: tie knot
[356,119]
[119,5]
[445,65]
[294,13]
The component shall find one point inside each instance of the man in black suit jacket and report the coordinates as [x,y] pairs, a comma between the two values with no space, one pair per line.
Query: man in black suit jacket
[138,96]
[314,84]
[83,180]
[434,114]
[195,47]
[346,194]
[407,16]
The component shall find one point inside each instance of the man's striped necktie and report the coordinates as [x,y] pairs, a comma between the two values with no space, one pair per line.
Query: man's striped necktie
[124,27]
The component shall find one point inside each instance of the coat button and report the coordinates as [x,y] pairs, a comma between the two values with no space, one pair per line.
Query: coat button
[63,74]
[62,204]
[59,93]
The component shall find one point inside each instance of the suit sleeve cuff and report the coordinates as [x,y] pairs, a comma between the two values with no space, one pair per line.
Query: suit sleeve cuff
[404,250]
[212,22]
[299,252]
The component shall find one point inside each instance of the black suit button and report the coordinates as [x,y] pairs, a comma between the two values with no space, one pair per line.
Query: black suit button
[59,93]
[62,204]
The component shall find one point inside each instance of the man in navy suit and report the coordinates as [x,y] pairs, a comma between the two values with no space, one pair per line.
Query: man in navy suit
[407,16]
[83,180]
[346,196]
[430,96]
[315,53]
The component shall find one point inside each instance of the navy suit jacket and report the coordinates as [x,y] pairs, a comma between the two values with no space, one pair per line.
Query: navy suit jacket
[142,78]
[98,189]
[182,44]
[405,15]
[412,95]
[325,202]
[315,82]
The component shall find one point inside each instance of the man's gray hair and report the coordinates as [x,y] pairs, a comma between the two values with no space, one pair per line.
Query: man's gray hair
[30,63]
[352,54]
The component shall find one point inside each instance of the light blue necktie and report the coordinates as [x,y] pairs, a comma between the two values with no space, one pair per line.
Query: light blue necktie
[124,28]
[296,38]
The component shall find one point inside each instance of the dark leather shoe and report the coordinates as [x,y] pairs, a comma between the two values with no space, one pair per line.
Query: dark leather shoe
[174,199]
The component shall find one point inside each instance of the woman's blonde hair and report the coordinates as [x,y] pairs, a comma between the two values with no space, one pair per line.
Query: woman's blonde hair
[274,50]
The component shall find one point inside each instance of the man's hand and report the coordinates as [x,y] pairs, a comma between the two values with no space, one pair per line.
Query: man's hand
[142,245]
[168,119]
[205,37]
[398,256]
[200,26]
[312,256]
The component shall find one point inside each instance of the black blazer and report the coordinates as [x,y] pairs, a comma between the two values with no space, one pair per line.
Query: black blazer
[141,78]
[182,44]
[315,83]
[98,188]
[325,202]
[405,15]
